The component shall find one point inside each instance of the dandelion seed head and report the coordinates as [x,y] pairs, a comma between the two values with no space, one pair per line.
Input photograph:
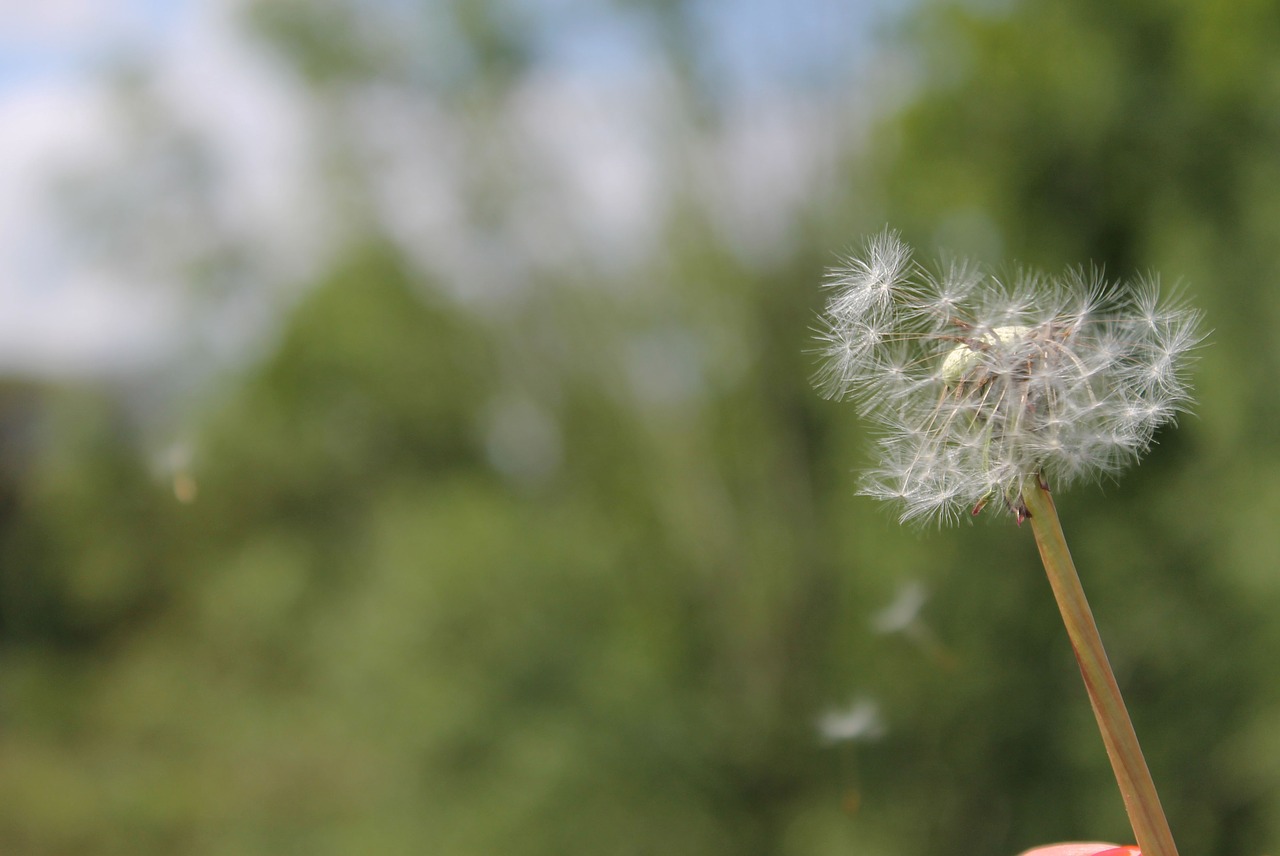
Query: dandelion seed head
[994,346]
[978,384]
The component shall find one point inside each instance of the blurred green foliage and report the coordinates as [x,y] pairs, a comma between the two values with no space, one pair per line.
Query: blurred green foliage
[581,576]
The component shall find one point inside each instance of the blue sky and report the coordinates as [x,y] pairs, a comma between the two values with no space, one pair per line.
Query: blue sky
[744,46]
[74,37]
[750,43]
[60,315]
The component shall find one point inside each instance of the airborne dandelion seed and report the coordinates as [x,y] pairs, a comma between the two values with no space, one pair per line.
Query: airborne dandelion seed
[978,385]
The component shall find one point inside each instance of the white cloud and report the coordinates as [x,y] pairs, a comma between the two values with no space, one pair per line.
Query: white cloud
[245,105]
[62,20]
[602,150]
[771,158]
[581,168]
[55,318]
[68,308]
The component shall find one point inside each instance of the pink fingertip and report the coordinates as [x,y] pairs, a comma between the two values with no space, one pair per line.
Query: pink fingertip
[1082,848]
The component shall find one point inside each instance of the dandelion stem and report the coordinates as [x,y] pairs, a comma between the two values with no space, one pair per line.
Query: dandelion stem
[1150,827]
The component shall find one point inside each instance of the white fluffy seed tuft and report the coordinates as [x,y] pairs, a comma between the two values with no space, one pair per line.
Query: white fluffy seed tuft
[978,385]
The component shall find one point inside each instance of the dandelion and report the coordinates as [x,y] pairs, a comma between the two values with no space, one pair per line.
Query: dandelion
[979,386]
[986,391]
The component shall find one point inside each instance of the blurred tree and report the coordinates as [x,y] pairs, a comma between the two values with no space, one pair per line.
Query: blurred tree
[566,558]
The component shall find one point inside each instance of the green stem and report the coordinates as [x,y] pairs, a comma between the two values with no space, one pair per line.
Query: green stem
[1140,799]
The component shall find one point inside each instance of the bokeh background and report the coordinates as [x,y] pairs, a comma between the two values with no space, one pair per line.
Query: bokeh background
[407,444]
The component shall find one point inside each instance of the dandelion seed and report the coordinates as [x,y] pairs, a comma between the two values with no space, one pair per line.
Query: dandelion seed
[858,721]
[903,611]
[979,386]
